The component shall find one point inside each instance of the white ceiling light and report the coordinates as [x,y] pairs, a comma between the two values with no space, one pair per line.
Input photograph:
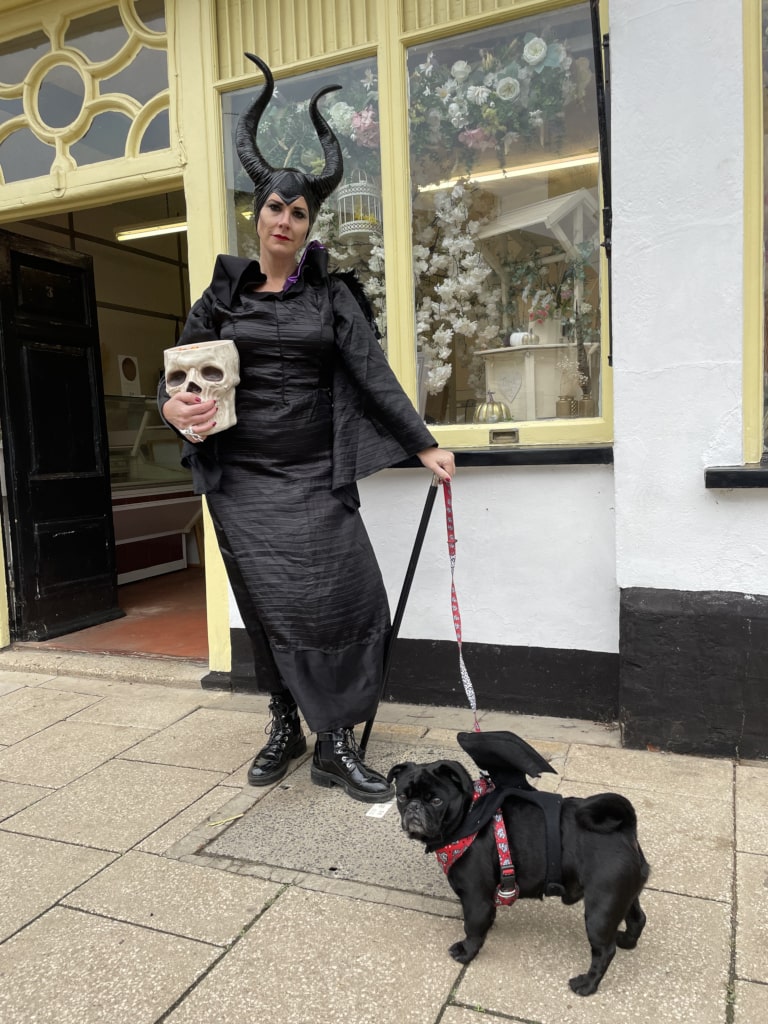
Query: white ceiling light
[169,226]
[485,177]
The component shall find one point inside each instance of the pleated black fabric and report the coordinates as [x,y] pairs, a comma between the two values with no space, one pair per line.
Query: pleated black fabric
[298,557]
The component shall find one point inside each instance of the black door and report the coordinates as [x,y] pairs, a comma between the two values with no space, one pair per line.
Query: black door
[59,511]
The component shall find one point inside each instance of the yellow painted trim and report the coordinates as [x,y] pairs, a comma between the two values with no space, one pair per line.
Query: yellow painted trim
[396,205]
[541,432]
[753,355]
[485,19]
[92,185]
[200,134]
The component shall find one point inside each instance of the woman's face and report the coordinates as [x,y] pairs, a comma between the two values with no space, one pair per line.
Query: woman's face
[282,227]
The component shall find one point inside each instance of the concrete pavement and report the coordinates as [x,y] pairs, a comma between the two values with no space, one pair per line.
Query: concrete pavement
[144,881]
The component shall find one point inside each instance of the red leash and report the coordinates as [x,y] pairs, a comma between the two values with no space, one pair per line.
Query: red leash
[465,680]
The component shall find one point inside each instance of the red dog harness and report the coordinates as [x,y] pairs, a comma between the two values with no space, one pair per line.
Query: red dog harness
[508,890]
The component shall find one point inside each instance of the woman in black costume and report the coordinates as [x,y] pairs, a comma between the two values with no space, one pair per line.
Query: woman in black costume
[318,408]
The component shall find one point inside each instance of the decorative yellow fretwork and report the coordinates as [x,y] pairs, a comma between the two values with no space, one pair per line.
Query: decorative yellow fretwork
[84,89]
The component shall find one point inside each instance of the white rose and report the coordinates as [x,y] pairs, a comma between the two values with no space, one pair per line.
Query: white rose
[461,70]
[478,94]
[508,89]
[535,51]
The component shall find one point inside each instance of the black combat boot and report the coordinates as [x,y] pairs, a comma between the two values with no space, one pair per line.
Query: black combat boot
[285,742]
[337,762]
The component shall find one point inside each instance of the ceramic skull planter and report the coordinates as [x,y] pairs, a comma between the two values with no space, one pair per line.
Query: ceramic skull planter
[210,369]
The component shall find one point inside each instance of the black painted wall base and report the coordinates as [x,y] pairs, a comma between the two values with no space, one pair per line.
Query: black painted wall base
[694,672]
[524,680]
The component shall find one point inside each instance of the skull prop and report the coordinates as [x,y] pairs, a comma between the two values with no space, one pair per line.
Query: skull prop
[209,369]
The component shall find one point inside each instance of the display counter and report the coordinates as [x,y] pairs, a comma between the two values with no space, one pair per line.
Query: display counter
[156,515]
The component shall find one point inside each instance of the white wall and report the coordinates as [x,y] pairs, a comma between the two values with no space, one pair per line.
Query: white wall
[534,555]
[677,162]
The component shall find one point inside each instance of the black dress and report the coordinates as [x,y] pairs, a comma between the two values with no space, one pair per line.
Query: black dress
[296,551]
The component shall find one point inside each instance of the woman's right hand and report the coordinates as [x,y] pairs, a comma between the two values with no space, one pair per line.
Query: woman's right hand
[190,415]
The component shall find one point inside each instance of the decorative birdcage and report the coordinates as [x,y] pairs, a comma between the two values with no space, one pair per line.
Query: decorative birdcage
[358,203]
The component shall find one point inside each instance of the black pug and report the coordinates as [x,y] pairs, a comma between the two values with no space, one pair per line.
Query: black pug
[600,858]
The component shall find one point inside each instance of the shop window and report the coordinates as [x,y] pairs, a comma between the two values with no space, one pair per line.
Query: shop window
[349,224]
[71,88]
[504,164]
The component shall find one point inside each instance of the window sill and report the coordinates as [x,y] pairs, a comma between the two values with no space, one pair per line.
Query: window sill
[561,455]
[727,477]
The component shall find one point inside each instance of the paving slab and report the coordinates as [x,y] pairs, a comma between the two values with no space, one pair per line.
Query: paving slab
[751,1003]
[65,751]
[115,806]
[679,775]
[138,714]
[752,809]
[37,873]
[25,711]
[14,796]
[73,968]
[199,815]
[325,958]
[678,972]
[306,828]
[752,917]
[144,889]
[209,738]
[689,844]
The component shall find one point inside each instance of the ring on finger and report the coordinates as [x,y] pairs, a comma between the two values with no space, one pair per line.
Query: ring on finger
[192,434]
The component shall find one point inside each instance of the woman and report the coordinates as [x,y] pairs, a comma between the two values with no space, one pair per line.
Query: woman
[317,409]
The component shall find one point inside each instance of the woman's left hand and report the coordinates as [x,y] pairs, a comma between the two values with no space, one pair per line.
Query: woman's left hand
[439,461]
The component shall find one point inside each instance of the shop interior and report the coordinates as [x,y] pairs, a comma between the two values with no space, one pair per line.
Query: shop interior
[139,252]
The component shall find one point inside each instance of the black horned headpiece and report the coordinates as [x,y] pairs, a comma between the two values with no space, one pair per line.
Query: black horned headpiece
[288,182]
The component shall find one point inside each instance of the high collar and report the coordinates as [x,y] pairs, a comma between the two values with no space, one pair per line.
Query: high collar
[232,274]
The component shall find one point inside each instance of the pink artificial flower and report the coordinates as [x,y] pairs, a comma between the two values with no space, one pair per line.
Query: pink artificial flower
[477,138]
[366,128]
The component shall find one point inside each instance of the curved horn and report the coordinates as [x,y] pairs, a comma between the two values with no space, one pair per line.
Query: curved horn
[245,135]
[323,184]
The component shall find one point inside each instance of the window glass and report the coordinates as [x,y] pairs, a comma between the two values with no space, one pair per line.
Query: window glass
[61,96]
[349,224]
[22,156]
[104,140]
[10,108]
[145,76]
[504,174]
[98,36]
[17,56]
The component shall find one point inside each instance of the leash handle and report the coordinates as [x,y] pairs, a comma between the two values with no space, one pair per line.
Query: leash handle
[466,682]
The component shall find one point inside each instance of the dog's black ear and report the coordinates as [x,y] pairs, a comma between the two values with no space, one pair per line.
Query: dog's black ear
[395,770]
[456,773]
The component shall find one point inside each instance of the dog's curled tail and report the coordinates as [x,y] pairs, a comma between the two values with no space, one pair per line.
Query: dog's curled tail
[606,812]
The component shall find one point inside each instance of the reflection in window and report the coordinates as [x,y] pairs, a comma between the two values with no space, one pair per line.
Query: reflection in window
[22,156]
[349,224]
[61,96]
[157,134]
[98,36]
[18,55]
[10,108]
[104,140]
[504,168]
[145,76]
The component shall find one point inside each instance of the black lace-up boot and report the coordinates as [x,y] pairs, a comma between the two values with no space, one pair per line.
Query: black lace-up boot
[337,762]
[285,742]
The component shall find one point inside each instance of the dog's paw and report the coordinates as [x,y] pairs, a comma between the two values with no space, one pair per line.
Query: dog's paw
[460,953]
[583,985]
[626,941]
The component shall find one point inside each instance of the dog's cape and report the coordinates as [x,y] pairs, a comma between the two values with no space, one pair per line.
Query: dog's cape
[507,760]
